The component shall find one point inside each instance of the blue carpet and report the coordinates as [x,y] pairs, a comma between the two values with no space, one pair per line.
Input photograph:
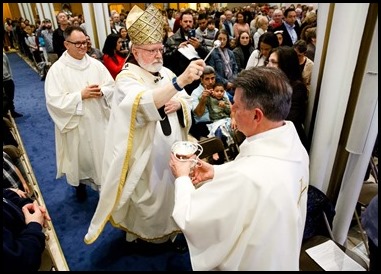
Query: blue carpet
[70,218]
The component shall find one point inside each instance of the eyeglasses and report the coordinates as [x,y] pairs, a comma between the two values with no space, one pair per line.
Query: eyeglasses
[78,44]
[153,52]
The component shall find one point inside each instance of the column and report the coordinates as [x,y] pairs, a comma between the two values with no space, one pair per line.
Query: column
[31,17]
[335,87]
[48,11]
[40,12]
[87,10]
[362,137]
[21,9]
[97,21]
[102,26]
[27,12]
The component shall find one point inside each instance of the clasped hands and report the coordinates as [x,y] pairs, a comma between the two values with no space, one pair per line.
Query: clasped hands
[36,213]
[92,91]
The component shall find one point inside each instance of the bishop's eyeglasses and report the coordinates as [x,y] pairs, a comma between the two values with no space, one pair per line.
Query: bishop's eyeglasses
[153,52]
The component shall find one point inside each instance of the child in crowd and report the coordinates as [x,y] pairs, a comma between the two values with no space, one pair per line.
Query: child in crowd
[31,42]
[211,31]
[219,108]
[123,34]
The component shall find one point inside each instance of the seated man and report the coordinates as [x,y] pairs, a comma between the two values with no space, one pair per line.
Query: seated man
[199,98]
[23,237]
[200,113]
[12,176]
[219,108]
[93,52]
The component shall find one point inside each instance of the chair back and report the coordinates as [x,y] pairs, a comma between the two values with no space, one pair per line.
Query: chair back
[318,229]
[320,213]
[212,145]
[238,137]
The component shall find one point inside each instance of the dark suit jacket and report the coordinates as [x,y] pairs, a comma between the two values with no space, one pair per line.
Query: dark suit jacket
[58,41]
[286,37]
[226,25]
[22,244]
[176,61]
[240,57]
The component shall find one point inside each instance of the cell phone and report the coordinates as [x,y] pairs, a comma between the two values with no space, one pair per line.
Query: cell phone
[191,33]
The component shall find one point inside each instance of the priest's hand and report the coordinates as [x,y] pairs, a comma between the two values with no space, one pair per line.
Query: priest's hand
[172,106]
[91,92]
[193,72]
[202,172]
[180,168]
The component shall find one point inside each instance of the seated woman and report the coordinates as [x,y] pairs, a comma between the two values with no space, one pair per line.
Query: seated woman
[124,48]
[266,43]
[243,50]
[113,58]
[223,61]
[306,64]
[286,59]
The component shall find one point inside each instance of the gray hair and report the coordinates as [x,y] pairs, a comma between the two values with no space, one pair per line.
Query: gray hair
[209,70]
[266,88]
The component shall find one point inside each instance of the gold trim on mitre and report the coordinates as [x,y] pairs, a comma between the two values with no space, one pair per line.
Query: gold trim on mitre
[145,27]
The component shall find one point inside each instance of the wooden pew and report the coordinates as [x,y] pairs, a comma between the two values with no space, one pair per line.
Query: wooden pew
[53,258]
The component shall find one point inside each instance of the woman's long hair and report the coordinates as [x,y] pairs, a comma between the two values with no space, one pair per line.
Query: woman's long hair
[268,38]
[109,47]
[288,62]
[223,31]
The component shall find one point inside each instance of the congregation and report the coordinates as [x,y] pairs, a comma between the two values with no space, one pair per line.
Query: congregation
[188,86]
[248,35]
